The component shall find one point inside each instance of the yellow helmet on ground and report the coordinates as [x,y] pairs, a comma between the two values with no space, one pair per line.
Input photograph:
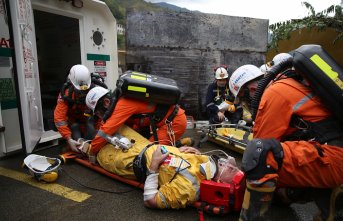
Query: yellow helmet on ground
[42,168]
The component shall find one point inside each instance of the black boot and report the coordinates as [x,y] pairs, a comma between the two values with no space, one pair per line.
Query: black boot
[256,203]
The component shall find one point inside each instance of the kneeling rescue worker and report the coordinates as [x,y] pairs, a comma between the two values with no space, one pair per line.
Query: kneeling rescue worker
[115,111]
[69,115]
[297,141]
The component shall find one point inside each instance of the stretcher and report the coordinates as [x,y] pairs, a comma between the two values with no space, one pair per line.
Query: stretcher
[218,198]
[232,136]
[230,194]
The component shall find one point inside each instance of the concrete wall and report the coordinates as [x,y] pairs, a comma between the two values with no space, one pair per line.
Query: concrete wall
[187,46]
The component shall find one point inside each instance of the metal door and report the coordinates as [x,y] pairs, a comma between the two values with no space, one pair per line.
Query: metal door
[26,74]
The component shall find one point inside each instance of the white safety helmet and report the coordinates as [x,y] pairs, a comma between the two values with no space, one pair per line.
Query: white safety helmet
[94,95]
[278,59]
[221,73]
[42,168]
[80,77]
[264,68]
[243,75]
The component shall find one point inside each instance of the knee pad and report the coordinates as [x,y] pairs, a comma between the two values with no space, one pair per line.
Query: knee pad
[255,154]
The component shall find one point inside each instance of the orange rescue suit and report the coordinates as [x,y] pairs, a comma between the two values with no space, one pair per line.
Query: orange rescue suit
[302,165]
[125,108]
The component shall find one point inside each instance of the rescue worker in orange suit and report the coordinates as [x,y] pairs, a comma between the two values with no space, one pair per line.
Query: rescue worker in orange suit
[69,115]
[271,160]
[116,111]
[219,100]
[177,172]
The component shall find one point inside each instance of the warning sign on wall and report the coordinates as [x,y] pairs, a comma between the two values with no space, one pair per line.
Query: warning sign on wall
[100,68]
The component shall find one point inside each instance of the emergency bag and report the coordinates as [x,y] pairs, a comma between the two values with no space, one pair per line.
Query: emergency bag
[221,198]
[146,87]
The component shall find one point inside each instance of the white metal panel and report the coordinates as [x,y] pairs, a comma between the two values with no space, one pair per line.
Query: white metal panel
[94,16]
[106,25]
[27,72]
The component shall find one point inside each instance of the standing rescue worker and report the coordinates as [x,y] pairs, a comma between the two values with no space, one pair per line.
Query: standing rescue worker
[69,115]
[219,100]
[116,111]
[282,153]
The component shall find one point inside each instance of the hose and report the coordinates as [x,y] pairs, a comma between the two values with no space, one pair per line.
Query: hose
[270,75]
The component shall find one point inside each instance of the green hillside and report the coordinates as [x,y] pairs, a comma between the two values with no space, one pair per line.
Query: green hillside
[119,7]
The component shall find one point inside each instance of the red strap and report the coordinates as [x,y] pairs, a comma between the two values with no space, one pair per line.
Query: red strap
[201,215]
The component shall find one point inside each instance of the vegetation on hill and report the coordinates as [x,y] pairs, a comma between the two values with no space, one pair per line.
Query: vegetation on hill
[331,17]
[119,7]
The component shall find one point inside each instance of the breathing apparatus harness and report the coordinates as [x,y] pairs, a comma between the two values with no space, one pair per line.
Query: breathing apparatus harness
[324,131]
[154,117]
[270,76]
[222,97]
[114,96]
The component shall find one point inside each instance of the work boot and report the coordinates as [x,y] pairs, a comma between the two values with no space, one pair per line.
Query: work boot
[336,204]
[187,141]
[256,203]
[330,207]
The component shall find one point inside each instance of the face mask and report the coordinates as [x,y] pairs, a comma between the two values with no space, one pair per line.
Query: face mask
[226,166]
[228,169]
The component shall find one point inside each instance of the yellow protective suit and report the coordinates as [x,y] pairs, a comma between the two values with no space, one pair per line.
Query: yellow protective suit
[182,191]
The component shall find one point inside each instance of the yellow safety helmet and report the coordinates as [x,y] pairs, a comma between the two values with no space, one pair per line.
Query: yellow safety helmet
[42,168]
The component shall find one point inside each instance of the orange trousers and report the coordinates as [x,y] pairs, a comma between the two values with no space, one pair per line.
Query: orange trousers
[308,164]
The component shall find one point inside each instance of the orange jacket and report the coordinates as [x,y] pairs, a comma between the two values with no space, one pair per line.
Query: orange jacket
[302,164]
[279,102]
[127,107]
[65,115]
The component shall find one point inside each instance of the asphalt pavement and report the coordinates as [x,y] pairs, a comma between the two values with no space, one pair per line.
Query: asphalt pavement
[109,199]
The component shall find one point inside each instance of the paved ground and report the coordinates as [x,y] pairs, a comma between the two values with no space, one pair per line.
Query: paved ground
[21,201]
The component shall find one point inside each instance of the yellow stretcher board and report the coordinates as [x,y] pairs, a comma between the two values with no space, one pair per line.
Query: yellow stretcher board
[232,138]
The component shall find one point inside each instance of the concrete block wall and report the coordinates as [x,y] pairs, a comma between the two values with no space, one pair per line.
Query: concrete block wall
[187,46]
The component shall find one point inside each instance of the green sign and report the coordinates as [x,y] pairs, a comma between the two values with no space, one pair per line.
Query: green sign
[98,57]
[7,92]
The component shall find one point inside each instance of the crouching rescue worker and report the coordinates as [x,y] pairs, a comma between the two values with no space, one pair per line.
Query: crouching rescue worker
[286,151]
[70,113]
[219,100]
[115,111]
